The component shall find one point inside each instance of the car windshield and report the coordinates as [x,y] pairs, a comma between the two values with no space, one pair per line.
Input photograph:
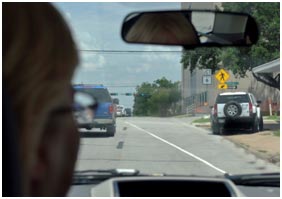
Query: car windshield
[237,98]
[174,127]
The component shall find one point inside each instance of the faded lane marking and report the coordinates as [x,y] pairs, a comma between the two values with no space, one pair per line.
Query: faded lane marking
[120,145]
[179,148]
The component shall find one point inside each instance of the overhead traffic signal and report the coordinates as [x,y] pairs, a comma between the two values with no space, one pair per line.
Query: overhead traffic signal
[142,95]
[126,94]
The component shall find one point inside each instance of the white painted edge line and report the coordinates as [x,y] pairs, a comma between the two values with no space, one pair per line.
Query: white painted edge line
[179,148]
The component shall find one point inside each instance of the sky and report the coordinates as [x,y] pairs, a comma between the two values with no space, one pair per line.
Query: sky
[97,26]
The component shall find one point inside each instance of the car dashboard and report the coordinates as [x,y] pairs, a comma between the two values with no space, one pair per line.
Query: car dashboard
[165,186]
[151,186]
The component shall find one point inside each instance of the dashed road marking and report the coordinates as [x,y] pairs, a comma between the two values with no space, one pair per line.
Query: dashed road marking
[120,145]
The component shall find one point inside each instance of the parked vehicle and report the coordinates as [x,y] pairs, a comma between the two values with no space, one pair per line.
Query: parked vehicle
[128,112]
[232,108]
[104,113]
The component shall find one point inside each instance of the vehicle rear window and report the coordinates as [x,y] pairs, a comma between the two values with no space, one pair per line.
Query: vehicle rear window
[119,108]
[223,99]
[100,94]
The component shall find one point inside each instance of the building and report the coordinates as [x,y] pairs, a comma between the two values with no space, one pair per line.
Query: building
[269,96]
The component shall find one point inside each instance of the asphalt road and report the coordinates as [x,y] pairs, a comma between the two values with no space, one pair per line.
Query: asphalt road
[165,145]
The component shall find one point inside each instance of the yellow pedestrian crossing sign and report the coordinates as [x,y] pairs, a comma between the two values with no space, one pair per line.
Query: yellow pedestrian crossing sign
[222,86]
[222,76]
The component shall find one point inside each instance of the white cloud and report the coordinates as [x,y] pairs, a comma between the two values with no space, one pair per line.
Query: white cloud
[92,62]
[86,37]
[101,61]
[169,56]
[68,15]
[143,68]
[82,45]
[89,61]
[86,41]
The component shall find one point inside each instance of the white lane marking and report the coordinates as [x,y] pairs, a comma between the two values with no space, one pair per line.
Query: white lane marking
[177,147]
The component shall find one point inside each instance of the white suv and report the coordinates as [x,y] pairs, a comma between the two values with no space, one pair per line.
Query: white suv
[120,111]
[236,110]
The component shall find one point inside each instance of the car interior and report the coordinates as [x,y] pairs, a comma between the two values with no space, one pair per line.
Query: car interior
[226,29]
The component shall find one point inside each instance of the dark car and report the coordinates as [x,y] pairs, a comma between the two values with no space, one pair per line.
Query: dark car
[104,112]
[128,112]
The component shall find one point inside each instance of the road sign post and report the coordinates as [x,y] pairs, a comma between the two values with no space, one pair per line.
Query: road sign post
[222,76]
[207,79]
[207,71]
[232,85]
[222,86]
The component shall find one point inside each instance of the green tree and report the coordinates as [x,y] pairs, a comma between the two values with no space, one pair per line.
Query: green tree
[267,49]
[242,59]
[201,58]
[157,99]
[141,99]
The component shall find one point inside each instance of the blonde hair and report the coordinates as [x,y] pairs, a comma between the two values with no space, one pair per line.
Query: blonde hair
[39,58]
[153,28]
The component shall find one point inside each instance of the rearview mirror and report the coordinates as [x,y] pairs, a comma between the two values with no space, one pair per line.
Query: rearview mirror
[192,28]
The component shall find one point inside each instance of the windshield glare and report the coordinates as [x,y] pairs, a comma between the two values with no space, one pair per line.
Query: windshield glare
[101,95]
[170,126]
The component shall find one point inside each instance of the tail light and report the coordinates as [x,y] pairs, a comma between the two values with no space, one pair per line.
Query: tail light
[111,108]
[215,109]
[250,107]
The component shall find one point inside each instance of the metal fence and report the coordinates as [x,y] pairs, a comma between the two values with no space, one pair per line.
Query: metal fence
[194,101]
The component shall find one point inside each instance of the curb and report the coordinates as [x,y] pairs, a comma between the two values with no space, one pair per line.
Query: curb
[273,159]
[206,125]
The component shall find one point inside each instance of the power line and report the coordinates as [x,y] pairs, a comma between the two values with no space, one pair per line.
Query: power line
[138,51]
[129,51]
[130,86]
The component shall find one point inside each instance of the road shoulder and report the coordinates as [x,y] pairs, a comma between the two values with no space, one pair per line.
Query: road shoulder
[265,145]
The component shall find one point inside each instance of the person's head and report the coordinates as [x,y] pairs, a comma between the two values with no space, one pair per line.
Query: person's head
[162,28]
[39,59]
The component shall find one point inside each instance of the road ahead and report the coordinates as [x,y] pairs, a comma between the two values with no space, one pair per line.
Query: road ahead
[165,145]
